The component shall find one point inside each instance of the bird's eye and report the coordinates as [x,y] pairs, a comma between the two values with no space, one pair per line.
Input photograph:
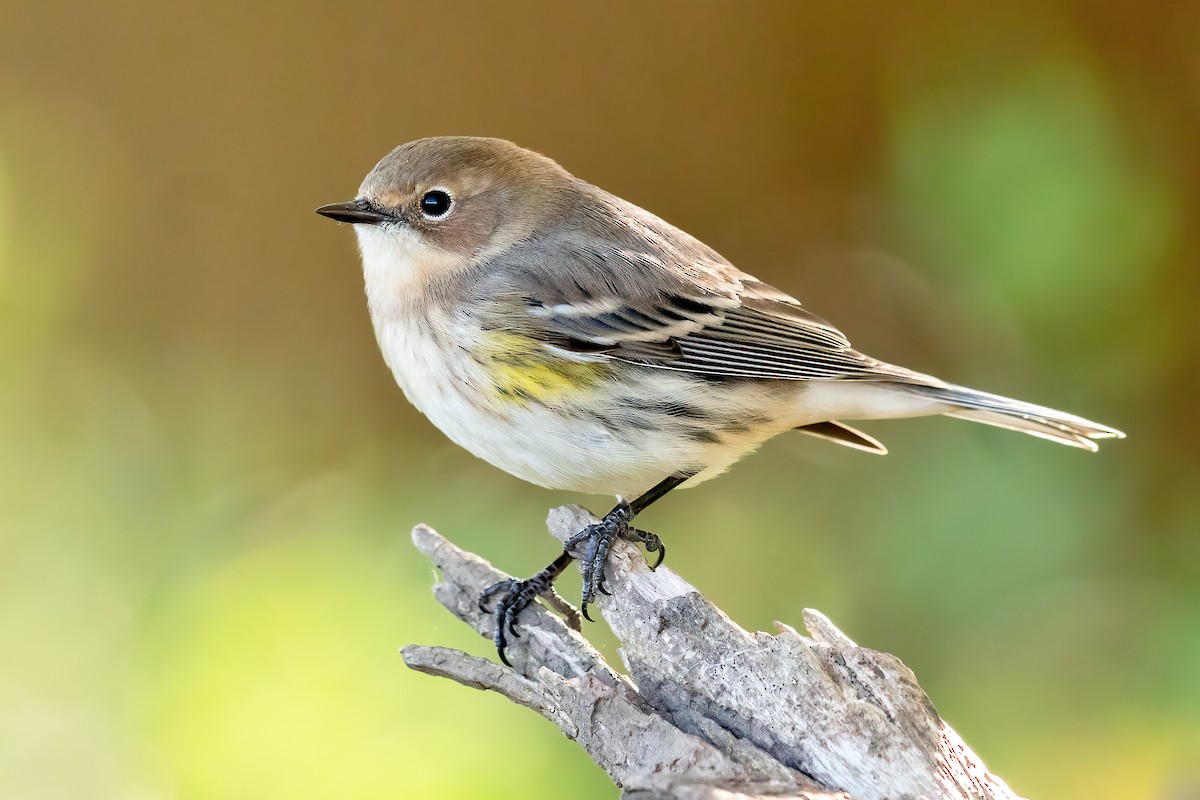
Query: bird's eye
[436,203]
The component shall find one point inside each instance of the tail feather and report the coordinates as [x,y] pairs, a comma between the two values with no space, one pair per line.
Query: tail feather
[842,433]
[1015,415]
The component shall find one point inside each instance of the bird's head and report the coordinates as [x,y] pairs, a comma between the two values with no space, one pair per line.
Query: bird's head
[435,206]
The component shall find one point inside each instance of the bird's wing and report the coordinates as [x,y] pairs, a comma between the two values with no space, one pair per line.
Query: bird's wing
[702,316]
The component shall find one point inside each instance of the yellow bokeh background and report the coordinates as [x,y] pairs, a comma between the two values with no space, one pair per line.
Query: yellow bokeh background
[207,476]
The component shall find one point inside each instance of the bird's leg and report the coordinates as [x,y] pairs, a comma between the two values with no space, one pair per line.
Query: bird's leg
[596,540]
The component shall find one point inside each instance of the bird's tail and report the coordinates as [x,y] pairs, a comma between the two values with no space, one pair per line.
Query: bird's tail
[1004,412]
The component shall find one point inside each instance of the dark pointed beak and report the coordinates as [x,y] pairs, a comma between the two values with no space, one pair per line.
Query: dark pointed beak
[354,211]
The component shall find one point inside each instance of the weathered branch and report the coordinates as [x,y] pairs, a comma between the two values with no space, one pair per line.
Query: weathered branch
[708,710]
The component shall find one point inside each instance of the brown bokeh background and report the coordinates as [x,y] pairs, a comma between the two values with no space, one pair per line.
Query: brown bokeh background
[207,475]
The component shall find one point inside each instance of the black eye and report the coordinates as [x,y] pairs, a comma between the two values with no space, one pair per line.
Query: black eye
[435,203]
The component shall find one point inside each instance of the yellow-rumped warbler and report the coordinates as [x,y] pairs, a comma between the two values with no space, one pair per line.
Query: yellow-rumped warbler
[579,342]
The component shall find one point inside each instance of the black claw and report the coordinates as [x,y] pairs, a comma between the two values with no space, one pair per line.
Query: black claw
[500,642]
[486,595]
[650,541]
[583,610]
[602,584]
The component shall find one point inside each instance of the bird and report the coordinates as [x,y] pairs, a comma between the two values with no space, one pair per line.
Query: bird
[579,342]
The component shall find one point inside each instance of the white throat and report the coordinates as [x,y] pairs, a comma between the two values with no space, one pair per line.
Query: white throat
[394,262]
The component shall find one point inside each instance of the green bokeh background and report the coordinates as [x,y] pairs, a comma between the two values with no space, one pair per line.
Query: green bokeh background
[207,476]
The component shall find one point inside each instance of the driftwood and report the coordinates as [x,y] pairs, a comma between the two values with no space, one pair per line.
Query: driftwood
[706,709]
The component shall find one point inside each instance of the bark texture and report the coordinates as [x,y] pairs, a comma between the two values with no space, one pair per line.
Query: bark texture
[705,709]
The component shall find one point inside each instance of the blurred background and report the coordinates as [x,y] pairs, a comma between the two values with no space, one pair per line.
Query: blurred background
[207,475]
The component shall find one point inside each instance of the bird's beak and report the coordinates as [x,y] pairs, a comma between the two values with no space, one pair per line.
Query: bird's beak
[353,211]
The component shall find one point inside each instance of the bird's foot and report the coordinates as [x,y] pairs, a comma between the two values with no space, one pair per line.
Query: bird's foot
[592,545]
[516,594]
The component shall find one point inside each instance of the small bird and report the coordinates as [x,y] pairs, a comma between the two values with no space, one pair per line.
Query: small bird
[579,342]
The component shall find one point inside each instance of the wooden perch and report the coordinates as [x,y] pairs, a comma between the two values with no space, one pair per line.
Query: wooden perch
[706,709]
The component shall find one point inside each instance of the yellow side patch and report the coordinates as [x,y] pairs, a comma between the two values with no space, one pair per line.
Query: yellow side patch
[522,370]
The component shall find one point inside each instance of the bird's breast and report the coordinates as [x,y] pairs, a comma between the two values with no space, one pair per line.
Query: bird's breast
[495,394]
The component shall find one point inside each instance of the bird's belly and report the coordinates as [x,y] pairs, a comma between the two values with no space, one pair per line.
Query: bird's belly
[600,428]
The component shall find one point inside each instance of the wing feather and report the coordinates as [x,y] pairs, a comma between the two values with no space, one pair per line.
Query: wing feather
[653,295]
